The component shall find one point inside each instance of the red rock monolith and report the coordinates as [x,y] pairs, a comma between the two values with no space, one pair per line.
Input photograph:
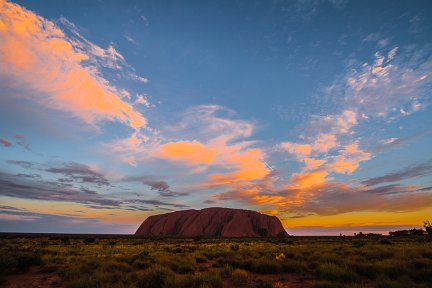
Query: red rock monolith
[212,222]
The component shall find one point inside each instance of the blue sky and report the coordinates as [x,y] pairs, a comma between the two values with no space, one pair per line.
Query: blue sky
[315,111]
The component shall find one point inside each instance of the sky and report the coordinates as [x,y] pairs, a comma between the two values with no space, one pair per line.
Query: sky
[315,111]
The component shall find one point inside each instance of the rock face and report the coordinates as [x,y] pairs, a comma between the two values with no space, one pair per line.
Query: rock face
[212,222]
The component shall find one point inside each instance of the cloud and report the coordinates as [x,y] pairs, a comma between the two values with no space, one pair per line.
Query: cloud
[395,142]
[143,100]
[208,122]
[349,159]
[248,165]
[300,150]
[373,90]
[157,203]
[425,189]
[21,163]
[389,84]
[329,198]
[312,164]
[5,142]
[15,221]
[418,170]
[21,187]
[190,152]
[17,186]
[79,172]
[335,124]
[59,71]
[218,146]
[309,179]
[162,187]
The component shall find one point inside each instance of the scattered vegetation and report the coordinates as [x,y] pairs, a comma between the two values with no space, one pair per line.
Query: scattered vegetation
[98,261]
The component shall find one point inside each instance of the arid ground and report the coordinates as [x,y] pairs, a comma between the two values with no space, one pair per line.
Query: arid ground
[126,261]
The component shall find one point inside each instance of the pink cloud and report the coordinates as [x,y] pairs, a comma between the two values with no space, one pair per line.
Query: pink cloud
[5,142]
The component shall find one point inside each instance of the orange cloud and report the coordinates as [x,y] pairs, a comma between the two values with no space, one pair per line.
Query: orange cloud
[37,56]
[343,165]
[324,143]
[313,163]
[248,164]
[302,150]
[191,152]
[349,160]
[309,179]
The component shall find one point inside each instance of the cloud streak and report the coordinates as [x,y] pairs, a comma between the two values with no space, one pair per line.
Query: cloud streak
[418,170]
[79,172]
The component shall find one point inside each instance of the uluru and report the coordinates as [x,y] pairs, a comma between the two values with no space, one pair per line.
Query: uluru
[212,222]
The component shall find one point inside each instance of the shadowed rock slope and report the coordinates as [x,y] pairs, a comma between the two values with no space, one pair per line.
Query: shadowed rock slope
[212,222]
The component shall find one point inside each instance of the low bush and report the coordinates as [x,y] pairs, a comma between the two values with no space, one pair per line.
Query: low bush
[330,271]
[266,266]
[157,277]
[239,277]
[207,280]
[89,240]
[385,241]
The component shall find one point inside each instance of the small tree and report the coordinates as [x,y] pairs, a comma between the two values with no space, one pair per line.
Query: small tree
[428,226]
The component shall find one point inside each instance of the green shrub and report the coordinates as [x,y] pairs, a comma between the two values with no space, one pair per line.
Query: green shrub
[113,266]
[330,271]
[292,266]
[89,240]
[359,243]
[385,241]
[239,277]
[201,259]
[207,280]
[227,271]
[8,263]
[365,270]
[141,264]
[388,283]
[266,266]
[234,247]
[157,277]
[184,268]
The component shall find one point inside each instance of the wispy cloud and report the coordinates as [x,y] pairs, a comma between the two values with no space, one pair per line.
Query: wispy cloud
[417,170]
[59,71]
[162,187]
[79,172]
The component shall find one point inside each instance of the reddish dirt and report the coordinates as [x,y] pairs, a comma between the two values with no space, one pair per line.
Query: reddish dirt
[32,279]
[284,280]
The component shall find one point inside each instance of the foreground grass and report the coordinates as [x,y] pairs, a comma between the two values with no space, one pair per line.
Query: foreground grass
[310,261]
